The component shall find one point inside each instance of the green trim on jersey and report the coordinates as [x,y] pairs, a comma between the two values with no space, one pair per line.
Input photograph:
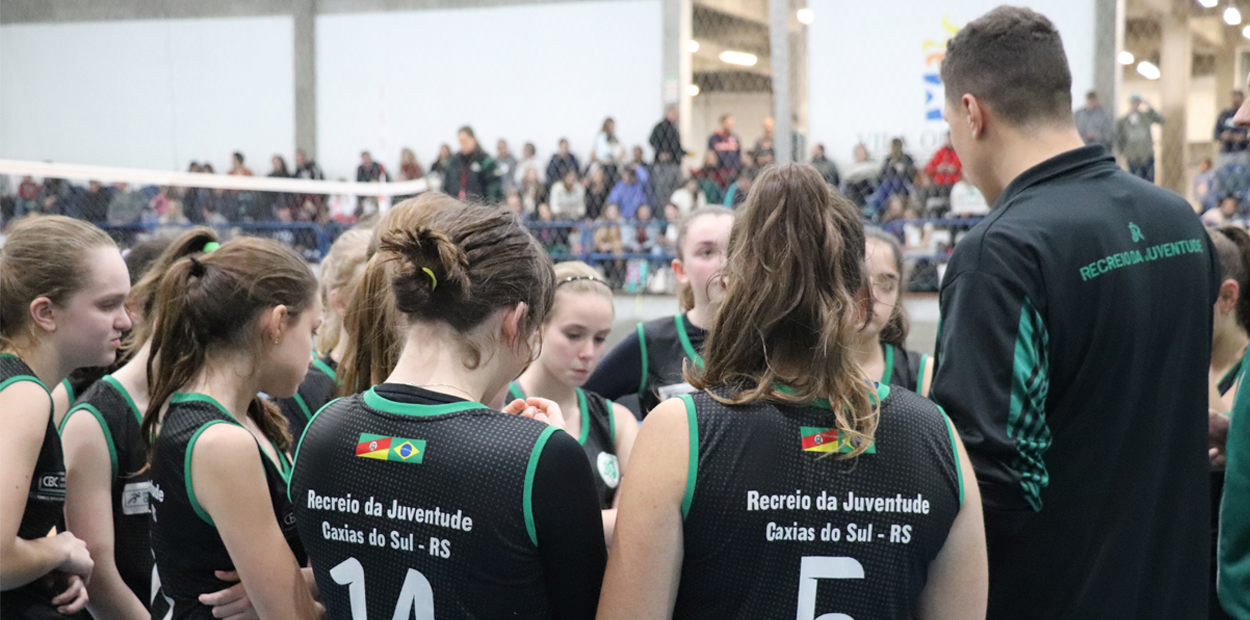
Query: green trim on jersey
[692,466]
[108,435]
[300,442]
[381,403]
[642,346]
[528,495]
[324,367]
[1026,420]
[18,378]
[685,341]
[883,392]
[69,390]
[196,397]
[924,360]
[117,385]
[186,473]
[585,416]
[611,423]
[950,427]
[888,373]
[514,389]
[303,406]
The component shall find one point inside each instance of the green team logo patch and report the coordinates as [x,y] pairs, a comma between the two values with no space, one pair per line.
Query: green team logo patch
[1136,232]
[609,469]
[386,448]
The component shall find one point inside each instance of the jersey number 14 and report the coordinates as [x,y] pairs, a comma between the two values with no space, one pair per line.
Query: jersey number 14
[416,598]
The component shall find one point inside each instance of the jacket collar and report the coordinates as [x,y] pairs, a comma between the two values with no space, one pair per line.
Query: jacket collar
[1057,166]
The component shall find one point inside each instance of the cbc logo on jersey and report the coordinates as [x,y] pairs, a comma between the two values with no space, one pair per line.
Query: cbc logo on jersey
[50,487]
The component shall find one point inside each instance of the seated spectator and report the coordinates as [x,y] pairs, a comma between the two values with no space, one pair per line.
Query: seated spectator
[306,168]
[512,202]
[944,167]
[1204,186]
[898,164]
[1227,210]
[862,177]
[966,200]
[275,200]
[409,168]
[370,171]
[928,199]
[672,227]
[562,162]
[553,240]
[646,232]
[532,190]
[737,192]
[507,166]
[94,205]
[640,166]
[237,168]
[596,194]
[27,197]
[825,166]
[628,193]
[51,194]
[127,205]
[568,198]
[608,238]
[343,207]
[442,161]
[712,179]
[688,197]
[529,161]
[895,209]
[727,147]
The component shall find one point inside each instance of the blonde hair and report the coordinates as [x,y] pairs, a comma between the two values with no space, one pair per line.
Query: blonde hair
[578,277]
[345,260]
[44,256]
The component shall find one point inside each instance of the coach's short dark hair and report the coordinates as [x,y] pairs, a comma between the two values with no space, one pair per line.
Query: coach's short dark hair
[1012,59]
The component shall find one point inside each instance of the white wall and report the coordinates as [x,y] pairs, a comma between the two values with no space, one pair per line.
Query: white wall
[148,94]
[525,73]
[868,61]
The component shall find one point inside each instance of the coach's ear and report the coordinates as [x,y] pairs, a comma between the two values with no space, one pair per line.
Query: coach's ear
[975,115]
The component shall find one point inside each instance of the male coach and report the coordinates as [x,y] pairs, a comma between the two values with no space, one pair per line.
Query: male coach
[1073,348]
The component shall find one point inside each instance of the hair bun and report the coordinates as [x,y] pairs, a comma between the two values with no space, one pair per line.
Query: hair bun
[430,264]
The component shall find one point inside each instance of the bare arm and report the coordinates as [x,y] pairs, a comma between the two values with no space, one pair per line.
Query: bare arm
[645,565]
[24,410]
[625,425]
[61,403]
[229,482]
[958,586]
[89,514]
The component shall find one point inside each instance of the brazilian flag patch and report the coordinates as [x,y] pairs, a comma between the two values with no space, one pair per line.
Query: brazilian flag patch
[386,448]
[817,439]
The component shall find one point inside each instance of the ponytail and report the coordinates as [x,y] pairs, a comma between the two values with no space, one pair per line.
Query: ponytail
[210,304]
[345,260]
[142,299]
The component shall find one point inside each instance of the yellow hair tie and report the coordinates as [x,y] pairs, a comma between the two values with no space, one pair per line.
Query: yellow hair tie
[433,280]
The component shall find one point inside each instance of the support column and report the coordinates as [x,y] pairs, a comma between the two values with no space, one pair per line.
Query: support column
[1108,41]
[677,23]
[1176,66]
[779,51]
[305,20]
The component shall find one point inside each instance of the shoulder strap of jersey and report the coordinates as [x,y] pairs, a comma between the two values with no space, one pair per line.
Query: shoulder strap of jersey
[685,341]
[514,389]
[888,374]
[642,346]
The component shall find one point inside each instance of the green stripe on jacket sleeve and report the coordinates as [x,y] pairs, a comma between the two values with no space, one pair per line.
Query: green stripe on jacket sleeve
[1026,419]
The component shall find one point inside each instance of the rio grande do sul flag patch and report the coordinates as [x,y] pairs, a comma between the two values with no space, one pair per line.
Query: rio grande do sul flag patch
[385,448]
[817,439]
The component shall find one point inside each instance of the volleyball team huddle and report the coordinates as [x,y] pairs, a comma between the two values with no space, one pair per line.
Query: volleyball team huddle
[454,448]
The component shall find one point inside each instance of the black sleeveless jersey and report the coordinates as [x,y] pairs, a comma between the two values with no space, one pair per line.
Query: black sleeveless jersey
[45,503]
[405,505]
[184,539]
[903,367]
[120,420]
[319,387]
[597,438]
[667,344]
[778,524]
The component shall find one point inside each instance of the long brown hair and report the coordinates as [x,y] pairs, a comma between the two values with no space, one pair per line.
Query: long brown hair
[794,283]
[896,329]
[465,264]
[142,299]
[372,325]
[43,256]
[210,304]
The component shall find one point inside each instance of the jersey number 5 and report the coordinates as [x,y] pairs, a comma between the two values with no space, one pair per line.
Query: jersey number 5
[811,571]
[416,598]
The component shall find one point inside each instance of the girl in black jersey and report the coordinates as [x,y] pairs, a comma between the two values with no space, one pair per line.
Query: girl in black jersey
[63,287]
[881,351]
[107,479]
[230,323]
[345,260]
[793,487]
[649,363]
[573,338]
[414,495]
